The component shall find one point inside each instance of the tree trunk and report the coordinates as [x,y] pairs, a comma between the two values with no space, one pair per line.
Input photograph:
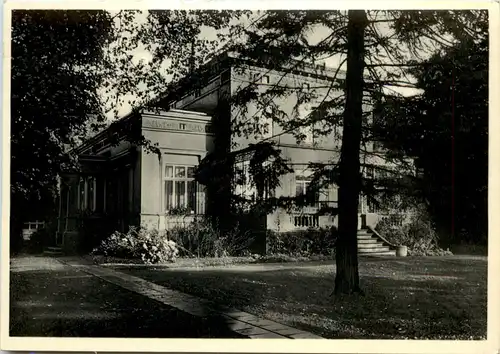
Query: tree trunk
[347,277]
[219,190]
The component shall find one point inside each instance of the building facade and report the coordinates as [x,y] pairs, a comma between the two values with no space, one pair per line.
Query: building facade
[122,184]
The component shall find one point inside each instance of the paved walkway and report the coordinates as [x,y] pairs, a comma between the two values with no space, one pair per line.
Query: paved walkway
[241,322]
[52,299]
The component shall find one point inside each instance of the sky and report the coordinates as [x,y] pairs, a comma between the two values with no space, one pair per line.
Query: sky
[141,53]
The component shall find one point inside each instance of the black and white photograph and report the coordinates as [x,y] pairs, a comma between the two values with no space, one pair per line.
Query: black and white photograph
[210,173]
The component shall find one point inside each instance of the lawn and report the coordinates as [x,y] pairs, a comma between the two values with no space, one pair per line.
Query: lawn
[413,297]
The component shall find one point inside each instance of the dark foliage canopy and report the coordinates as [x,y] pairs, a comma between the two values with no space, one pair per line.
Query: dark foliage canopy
[54,98]
[446,129]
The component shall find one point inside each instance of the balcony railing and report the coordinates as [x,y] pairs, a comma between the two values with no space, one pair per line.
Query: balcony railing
[310,216]
[307,220]
[396,220]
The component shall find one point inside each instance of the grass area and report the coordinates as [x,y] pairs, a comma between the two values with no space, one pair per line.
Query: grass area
[206,261]
[413,297]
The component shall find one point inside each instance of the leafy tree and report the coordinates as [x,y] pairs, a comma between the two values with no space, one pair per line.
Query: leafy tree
[70,69]
[54,66]
[377,47]
[446,129]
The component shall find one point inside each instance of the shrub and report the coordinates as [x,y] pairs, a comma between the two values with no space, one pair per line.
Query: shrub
[153,247]
[39,239]
[302,243]
[201,238]
[121,245]
[418,235]
[150,246]
[393,232]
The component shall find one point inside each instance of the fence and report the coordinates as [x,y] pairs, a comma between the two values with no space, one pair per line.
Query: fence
[31,227]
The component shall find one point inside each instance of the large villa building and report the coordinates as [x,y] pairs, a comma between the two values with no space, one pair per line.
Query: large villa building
[125,183]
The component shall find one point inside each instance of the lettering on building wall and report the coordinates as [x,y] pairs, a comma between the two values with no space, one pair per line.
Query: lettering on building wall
[172,125]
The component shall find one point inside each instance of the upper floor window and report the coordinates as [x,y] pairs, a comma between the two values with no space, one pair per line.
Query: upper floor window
[225,76]
[303,188]
[259,78]
[264,126]
[306,130]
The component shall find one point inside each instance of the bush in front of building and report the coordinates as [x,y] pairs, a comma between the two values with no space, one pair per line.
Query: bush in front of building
[204,238]
[148,245]
[418,235]
[303,243]
[40,239]
[120,245]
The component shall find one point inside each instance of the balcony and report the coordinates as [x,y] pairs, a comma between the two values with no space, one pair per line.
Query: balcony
[305,221]
[311,216]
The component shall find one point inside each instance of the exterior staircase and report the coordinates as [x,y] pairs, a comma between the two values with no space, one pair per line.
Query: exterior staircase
[53,251]
[370,244]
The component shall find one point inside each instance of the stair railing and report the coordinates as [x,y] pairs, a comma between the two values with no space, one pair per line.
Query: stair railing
[391,245]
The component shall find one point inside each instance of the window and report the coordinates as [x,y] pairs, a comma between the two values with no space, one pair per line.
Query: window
[244,186]
[268,191]
[104,195]
[382,173]
[371,206]
[87,193]
[378,146]
[301,188]
[370,172]
[91,193]
[307,131]
[225,76]
[258,78]
[81,194]
[181,190]
[419,169]
[264,128]
[361,204]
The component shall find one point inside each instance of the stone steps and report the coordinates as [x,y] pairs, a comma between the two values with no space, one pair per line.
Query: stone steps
[390,253]
[53,251]
[365,237]
[367,241]
[371,245]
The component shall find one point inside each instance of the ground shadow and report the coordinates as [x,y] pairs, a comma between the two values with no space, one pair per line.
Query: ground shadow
[411,298]
[69,303]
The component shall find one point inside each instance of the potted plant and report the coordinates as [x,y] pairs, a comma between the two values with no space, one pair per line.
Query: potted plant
[401,251]
[396,236]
